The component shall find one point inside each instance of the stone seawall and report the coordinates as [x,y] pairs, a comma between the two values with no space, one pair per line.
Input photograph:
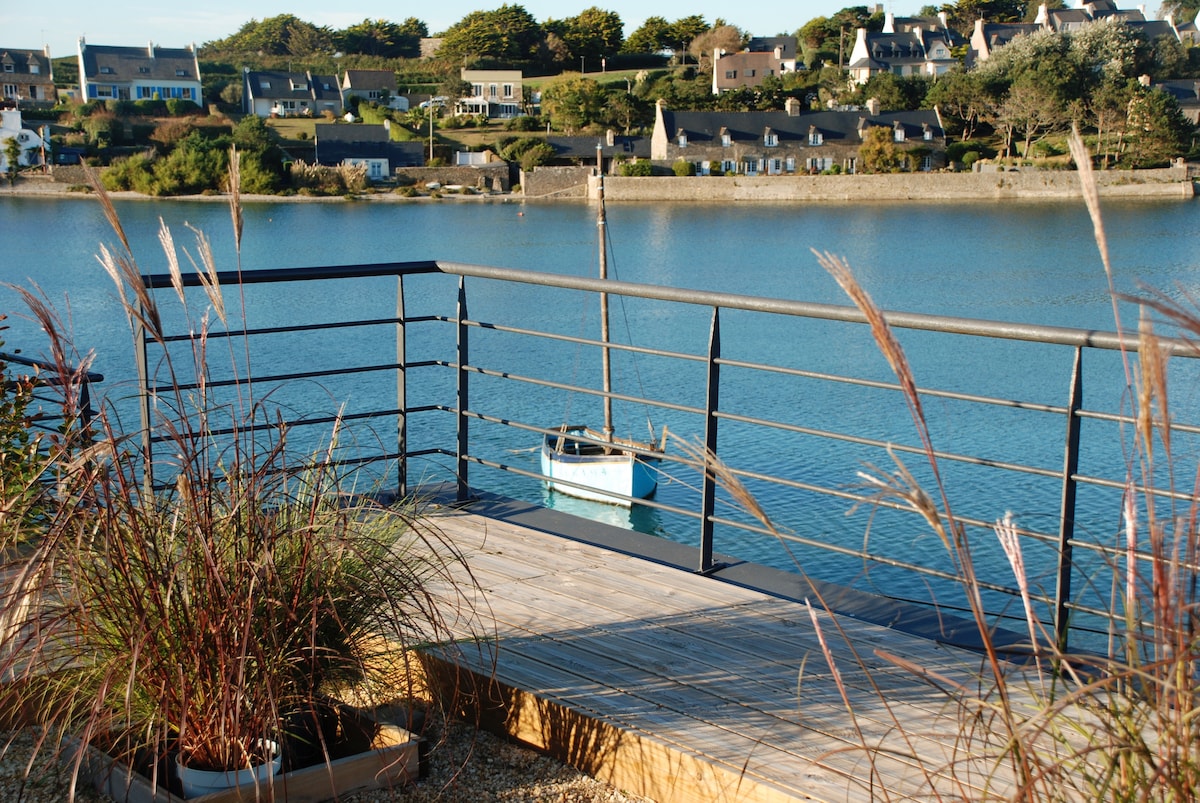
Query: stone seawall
[1164,183]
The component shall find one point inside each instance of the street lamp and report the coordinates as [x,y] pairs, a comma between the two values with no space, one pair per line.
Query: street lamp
[581,70]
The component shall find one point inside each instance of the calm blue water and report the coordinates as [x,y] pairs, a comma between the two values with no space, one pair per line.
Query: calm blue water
[1032,262]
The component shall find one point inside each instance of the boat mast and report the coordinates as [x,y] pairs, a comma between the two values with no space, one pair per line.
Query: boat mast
[605,359]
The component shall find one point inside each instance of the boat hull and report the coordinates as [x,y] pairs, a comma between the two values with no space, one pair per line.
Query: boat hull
[602,476]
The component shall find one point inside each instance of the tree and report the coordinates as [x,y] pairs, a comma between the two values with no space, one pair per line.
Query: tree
[593,35]
[377,38]
[574,102]
[1033,109]
[651,37]
[12,154]
[1157,131]
[508,34]
[878,152]
[282,35]
[683,30]
[962,101]
[726,37]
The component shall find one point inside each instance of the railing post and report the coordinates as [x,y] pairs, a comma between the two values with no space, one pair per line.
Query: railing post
[463,398]
[709,482]
[141,358]
[1066,531]
[401,392]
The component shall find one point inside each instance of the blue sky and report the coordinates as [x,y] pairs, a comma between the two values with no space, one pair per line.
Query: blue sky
[137,22]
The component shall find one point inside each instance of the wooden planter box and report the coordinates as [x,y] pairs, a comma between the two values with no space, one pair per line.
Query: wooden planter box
[393,761]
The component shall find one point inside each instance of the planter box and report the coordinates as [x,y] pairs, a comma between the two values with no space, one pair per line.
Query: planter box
[393,761]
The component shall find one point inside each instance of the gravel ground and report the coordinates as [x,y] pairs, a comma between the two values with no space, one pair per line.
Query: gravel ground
[465,766]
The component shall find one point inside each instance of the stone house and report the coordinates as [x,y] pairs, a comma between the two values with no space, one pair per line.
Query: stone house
[109,72]
[494,94]
[790,141]
[27,76]
[763,57]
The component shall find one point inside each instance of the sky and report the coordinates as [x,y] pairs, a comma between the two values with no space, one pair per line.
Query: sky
[29,26]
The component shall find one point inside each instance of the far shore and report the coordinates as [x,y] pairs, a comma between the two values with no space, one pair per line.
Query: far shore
[1168,183]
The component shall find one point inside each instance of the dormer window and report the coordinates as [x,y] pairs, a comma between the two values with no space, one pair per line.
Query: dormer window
[814,136]
[726,139]
[12,68]
[181,73]
[897,132]
[770,139]
[681,138]
[106,70]
[298,86]
[144,70]
[34,69]
[265,84]
[928,133]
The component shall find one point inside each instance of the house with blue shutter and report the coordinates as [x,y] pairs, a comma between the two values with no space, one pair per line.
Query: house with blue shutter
[110,72]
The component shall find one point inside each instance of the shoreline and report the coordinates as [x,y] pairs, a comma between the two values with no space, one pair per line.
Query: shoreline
[1167,184]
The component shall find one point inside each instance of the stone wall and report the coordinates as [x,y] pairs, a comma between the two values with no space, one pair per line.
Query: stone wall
[491,177]
[1165,183]
[558,182]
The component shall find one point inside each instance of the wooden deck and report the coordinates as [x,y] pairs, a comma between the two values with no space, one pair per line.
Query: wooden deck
[680,687]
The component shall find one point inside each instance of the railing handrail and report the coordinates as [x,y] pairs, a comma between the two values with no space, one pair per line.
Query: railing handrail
[1027,332]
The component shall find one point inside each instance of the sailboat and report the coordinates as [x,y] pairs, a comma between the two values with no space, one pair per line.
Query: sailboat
[583,462]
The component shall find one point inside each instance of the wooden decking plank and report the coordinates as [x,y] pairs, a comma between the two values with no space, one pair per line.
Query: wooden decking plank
[668,644]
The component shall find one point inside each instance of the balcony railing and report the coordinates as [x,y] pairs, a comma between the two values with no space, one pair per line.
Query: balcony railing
[456,371]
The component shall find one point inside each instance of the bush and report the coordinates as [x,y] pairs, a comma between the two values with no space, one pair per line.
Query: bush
[536,156]
[638,167]
[684,168]
[523,122]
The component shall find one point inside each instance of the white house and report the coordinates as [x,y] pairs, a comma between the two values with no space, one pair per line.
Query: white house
[33,146]
[108,72]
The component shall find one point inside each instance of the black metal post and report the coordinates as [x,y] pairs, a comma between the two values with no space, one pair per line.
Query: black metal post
[709,482]
[1066,531]
[401,392]
[463,398]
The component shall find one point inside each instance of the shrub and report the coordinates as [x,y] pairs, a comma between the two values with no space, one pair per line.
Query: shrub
[537,155]
[638,167]
[523,122]
[684,168]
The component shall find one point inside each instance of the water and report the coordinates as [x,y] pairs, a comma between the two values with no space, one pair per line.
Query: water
[1032,262]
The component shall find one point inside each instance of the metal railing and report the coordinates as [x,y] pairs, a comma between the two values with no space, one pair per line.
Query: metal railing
[47,411]
[473,391]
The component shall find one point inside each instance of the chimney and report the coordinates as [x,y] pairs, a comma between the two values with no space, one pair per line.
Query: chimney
[792,107]
[873,107]
[150,49]
[1144,80]
[779,52]
[610,138]
[945,20]
[889,23]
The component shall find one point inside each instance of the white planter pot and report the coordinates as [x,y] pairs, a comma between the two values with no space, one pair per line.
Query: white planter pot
[198,782]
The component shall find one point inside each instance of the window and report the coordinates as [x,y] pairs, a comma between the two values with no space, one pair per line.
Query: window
[476,90]
[928,135]
[298,86]
[726,140]
[771,139]
[815,137]
[898,133]
[750,73]
[104,92]
[10,90]
[12,68]
[34,69]
[731,74]
[492,90]
[181,73]
[373,94]
[750,167]
[265,84]
[775,166]
[927,163]
[106,70]
[508,90]
[681,138]
[728,166]
[790,164]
